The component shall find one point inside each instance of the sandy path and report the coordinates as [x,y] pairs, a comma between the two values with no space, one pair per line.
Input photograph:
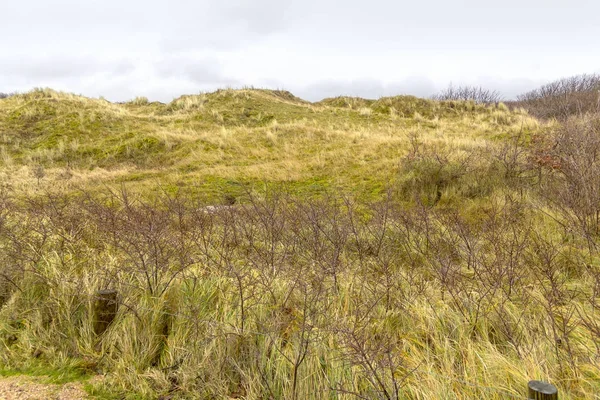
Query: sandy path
[32,388]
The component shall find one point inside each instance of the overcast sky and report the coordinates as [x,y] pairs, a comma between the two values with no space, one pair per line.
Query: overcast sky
[314,48]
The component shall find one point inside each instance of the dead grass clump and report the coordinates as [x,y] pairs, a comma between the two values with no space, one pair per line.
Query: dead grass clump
[140,101]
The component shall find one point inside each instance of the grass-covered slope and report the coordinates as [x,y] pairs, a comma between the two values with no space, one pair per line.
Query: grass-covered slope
[230,137]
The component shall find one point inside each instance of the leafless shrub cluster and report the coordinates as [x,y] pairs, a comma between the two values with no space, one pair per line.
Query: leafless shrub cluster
[563,98]
[265,295]
[571,155]
[476,94]
[431,175]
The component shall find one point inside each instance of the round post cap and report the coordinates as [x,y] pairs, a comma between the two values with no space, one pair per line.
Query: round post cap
[542,387]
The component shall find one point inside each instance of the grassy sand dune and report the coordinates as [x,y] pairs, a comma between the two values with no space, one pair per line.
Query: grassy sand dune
[232,137]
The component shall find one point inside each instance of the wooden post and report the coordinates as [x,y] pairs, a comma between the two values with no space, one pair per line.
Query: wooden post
[105,310]
[539,390]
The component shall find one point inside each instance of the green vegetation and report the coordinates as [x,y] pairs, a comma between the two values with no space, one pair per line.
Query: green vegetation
[266,247]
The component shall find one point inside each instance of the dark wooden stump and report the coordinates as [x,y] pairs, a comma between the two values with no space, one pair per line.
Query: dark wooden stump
[539,390]
[105,310]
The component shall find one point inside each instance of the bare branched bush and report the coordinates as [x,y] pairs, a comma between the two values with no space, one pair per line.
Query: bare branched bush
[152,238]
[8,275]
[476,94]
[573,159]
[564,97]
[430,175]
